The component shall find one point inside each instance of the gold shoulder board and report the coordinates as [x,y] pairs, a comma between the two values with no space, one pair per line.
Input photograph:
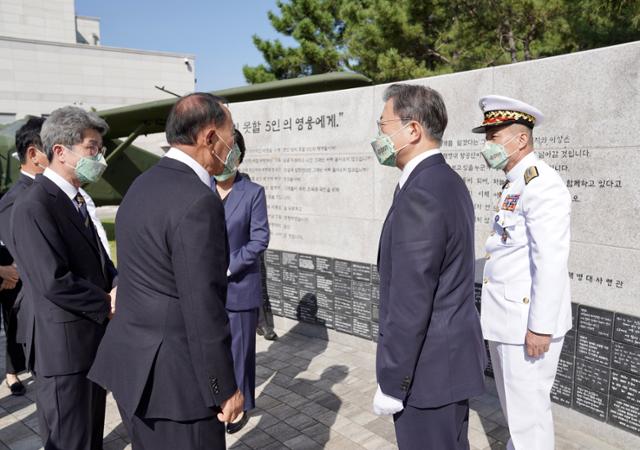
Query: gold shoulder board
[530,174]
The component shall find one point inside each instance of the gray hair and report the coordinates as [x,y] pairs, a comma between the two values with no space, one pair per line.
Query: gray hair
[419,103]
[66,125]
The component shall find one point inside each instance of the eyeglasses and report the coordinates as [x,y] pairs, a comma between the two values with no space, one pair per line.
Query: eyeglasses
[94,149]
[382,122]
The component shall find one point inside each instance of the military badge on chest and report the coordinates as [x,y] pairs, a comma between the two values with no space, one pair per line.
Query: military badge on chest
[510,202]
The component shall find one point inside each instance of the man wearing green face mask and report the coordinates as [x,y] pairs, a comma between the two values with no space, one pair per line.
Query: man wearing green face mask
[526,298]
[68,279]
[430,356]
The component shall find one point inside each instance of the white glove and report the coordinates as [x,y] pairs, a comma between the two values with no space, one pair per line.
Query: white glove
[385,405]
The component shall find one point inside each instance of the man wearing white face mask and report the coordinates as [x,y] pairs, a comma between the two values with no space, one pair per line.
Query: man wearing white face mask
[68,279]
[526,299]
[430,356]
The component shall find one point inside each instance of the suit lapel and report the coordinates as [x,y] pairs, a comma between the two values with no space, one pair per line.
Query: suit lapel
[66,208]
[235,196]
[430,161]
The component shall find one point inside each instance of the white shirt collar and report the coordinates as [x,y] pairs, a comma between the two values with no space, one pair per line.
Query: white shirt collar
[27,174]
[63,184]
[181,156]
[519,169]
[408,168]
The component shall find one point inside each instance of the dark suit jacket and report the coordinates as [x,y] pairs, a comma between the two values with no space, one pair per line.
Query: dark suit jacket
[24,333]
[430,349]
[62,269]
[167,351]
[245,212]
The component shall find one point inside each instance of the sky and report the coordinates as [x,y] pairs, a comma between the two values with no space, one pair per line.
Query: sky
[217,32]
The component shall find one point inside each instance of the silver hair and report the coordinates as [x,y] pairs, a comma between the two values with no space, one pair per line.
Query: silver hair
[419,103]
[66,125]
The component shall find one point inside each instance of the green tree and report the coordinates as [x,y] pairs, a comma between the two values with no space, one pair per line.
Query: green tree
[316,26]
[389,40]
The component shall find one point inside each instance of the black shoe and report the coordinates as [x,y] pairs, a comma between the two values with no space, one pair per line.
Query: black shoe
[260,331]
[270,335]
[17,388]
[235,427]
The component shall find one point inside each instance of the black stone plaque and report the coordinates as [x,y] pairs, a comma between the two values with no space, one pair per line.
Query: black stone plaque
[566,366]
[626,357]
[290,260]
[562,391]
[362,328]
[362,310]
[274,293]
[343,307]
[325,301]
[592,403]
[307,281]
[324,283]
[361,290]
[326,317]
[375,331]
[375,313]
[624,414]
[273,258]
[625,386]
[593,376]
[375,276]
[627,329]
[574,315]
[290,309]
[375,294]
[343,324]
[291,298]
[569,344]
[307,309]
[477,292]
[342,287]
[290,276]
[342,268]
[594,349]
[489,369]
[324,265]
[595,321]
[306,262]
[274,274]
[361,272]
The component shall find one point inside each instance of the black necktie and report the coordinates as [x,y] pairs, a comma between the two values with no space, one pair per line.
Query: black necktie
[82,209]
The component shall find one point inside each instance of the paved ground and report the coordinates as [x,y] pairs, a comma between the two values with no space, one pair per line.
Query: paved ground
[312,393]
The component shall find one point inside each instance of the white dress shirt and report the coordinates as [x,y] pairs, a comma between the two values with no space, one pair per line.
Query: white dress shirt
[408,168]
[181,156]
[71,192]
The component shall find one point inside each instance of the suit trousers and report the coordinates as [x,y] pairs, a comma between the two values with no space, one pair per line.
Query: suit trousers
[14,359]
[243,347]
[442,428]
[71,412]
[164,434]
[524,388]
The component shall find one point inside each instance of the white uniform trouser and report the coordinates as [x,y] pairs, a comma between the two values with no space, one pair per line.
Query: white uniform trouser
[524,387]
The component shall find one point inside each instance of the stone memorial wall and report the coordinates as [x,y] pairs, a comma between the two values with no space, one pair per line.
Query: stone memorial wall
[328,197]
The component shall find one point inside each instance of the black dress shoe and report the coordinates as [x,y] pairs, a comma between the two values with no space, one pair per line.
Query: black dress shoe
[270,335]
[17,388]
[260,331]
[235,427]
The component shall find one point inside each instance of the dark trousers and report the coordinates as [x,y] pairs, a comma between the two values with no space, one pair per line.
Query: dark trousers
[161,434]
[15,362]
[243,348]
[71,412]
[443,428]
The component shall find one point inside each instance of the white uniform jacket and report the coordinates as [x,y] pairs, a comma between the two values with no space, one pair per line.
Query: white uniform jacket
[526,279]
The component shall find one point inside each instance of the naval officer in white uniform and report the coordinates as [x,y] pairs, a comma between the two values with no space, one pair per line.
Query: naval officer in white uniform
[526,298]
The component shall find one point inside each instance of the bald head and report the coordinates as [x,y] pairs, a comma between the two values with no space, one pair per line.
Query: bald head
[191,114]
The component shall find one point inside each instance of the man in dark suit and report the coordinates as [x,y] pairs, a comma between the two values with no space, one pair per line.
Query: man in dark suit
[167,353]
[33,160]
[430,356]
[67,277]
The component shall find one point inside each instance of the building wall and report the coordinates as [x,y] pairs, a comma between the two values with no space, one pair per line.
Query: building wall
[46,20]
[87,30]
[37,77]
